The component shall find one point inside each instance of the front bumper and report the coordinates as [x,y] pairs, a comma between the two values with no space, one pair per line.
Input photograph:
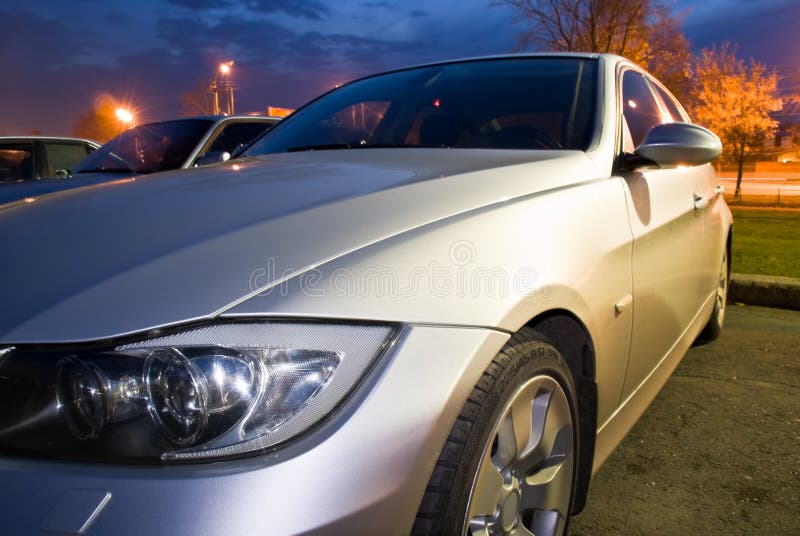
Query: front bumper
[363,472]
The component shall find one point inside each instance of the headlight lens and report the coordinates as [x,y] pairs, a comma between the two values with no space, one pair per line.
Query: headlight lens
[205,393]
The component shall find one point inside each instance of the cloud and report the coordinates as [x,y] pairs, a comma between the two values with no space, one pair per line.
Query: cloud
[240,38]
[766,32]
[378,5]
[30,38]
[199,5]
[307,9]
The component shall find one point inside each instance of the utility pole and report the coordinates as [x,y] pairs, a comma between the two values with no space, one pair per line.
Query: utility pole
[222,82]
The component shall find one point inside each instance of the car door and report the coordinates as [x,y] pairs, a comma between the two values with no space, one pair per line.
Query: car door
[668,236]
[707,200]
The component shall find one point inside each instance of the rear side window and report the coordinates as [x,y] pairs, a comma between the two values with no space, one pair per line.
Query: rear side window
[639,107]
[671,104]
[63,156]
[16,162]
[237,135]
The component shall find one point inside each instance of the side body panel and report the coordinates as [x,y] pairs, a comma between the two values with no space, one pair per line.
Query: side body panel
[499,266]
[667,265]
[677,250]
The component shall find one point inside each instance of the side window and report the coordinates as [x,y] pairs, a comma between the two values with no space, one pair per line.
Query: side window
[16,162]
[671,104]
[236,135]
[638,106]
[63,156]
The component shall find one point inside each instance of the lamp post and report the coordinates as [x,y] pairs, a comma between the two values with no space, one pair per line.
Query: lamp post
[222,81]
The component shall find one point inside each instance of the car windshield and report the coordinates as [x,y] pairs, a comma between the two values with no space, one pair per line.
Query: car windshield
[148,148]
[515,103]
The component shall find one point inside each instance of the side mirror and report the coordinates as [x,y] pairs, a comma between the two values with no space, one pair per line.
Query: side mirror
[676,144]
[212,157]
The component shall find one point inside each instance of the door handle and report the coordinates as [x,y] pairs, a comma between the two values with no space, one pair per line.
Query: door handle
[700,202]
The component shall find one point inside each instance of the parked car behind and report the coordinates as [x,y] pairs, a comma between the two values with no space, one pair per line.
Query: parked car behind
[431,301]
[150,148]
[27,158]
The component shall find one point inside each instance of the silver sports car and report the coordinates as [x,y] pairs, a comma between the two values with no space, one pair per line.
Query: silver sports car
[431,301]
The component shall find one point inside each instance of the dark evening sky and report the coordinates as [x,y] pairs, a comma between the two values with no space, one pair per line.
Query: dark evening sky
[57,56]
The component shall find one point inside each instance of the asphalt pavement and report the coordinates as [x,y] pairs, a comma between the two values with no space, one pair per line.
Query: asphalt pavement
[718,451]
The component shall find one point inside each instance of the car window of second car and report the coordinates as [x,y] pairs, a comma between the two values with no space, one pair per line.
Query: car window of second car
[148,148]
[233,136]
[16,162]
[63,156]
[640,109]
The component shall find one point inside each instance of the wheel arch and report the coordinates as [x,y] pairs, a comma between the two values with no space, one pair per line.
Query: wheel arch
[569,335]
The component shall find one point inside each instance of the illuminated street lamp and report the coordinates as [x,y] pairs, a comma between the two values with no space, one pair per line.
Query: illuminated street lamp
[223,83]
[125,116]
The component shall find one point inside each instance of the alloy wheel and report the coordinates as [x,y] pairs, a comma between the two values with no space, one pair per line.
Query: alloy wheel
[524,480]
[722,289]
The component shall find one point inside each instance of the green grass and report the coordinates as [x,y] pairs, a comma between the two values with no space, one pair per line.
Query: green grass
[766,241]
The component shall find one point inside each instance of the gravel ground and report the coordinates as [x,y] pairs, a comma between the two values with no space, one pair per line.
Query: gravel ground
[718,451]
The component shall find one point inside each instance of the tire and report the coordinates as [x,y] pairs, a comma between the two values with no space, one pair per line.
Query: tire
[483,482]
[713,328]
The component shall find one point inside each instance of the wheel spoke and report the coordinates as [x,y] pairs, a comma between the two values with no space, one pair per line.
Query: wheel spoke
[549,488]
[487,490]
[520,530]
[552,420]
[506,443]
[549,523]
[478,527]
[523,415]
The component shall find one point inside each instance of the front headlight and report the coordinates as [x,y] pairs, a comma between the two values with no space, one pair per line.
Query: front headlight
[210,392]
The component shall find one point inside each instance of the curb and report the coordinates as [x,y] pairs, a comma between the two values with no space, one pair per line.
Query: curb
[765,290]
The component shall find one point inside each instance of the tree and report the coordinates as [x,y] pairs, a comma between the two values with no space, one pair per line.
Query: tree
[197,101]
[735,99]
[644,31]
[99,122]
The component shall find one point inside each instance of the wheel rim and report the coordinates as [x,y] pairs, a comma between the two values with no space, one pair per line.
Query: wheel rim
[722,290]
[524,480]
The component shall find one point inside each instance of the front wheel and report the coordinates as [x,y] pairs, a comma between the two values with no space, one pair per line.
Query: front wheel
[509,464]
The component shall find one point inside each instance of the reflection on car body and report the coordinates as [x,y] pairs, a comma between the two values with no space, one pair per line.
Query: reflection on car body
[431,301]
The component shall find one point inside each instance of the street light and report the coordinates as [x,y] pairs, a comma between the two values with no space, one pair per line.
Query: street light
[125,116]
[225,84]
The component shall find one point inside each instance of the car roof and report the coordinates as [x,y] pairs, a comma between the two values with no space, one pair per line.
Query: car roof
[218,118]
[612,58]
[49,138]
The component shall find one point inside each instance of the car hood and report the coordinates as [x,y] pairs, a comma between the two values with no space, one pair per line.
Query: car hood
[15,191]
[140,253]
